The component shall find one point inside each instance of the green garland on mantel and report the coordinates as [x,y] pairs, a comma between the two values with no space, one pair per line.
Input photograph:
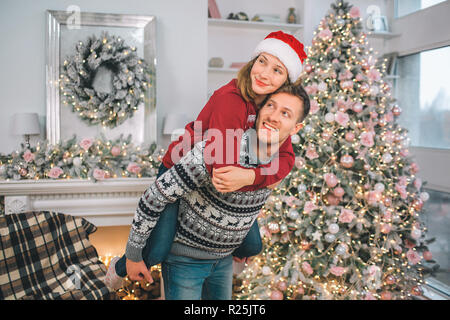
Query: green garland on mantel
[92,159]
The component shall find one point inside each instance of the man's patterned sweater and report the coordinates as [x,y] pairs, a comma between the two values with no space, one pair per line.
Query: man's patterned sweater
[211,224]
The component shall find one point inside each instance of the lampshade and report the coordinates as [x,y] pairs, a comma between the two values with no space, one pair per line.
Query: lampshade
[26,123]
[175,122]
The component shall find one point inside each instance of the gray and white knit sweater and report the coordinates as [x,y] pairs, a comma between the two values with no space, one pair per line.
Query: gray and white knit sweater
[211,224]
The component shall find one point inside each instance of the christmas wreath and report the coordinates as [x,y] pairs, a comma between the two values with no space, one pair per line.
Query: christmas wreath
[131,77]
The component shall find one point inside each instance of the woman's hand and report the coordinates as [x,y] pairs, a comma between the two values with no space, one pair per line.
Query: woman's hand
[137,271]
[229,179]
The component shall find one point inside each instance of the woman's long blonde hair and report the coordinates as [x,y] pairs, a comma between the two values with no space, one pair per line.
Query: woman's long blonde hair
[244,81]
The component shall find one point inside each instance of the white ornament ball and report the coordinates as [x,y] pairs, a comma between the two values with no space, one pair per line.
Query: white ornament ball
[379,187]
[283,228]
[374,90]
[301,188]
[424,196]
[266,271]
[274,227]
[387,158]
[341,249]
[329,117]
[295,139]
[294,214]
[77,162]
[330,237]
[307,129]
[333,228]
[416,233]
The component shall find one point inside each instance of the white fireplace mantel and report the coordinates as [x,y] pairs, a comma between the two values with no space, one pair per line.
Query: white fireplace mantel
[109,202]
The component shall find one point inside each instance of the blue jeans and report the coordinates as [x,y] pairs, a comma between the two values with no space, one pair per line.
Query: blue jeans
[194,279]
[161,238]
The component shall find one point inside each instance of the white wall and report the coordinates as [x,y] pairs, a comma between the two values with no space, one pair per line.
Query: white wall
[181,55]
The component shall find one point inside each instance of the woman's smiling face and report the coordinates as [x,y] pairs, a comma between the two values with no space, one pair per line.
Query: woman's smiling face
[268,74]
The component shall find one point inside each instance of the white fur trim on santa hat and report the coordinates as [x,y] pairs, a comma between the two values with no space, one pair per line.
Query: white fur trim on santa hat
[284,52]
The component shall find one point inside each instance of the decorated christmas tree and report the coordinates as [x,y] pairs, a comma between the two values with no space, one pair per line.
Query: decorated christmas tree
[345,223]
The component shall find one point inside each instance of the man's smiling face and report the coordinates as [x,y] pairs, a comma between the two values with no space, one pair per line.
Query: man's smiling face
[278,118]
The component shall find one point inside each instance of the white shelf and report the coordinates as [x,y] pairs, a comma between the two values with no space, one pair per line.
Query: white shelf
[253,24]
[382,35]
[223,70]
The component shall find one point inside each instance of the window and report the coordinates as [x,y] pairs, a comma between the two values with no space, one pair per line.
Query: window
[437,219]
[423,92]
[404,7]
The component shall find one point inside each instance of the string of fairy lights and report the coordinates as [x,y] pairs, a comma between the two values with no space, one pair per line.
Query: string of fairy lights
[349,163]
[295,263]
[90,159]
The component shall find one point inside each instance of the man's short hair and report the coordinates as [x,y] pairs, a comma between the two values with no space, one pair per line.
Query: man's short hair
[298,91]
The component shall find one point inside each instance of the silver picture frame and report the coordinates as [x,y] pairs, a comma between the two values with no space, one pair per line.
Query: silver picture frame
[63,30]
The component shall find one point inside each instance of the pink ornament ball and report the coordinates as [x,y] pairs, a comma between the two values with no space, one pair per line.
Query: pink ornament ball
[299,162]
[115,151]
[332,199]
[308,68]
[396,111]
[357,107]
[276,295]
[330,179]
[365,88]
[385,228]
[427,255]
[347,161]
[349,136]
[339,192]
[326,135]
[282,285]
[386,295]
[415,291]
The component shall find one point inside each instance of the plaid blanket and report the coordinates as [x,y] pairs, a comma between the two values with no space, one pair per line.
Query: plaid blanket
[47,255]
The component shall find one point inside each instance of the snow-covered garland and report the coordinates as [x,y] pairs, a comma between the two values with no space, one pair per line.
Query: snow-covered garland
[88,158]
[132,76]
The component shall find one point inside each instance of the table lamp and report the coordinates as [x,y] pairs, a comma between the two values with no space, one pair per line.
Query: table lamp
[26,124]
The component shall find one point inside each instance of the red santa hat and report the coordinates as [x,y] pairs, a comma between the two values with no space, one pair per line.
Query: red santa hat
[286,48]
